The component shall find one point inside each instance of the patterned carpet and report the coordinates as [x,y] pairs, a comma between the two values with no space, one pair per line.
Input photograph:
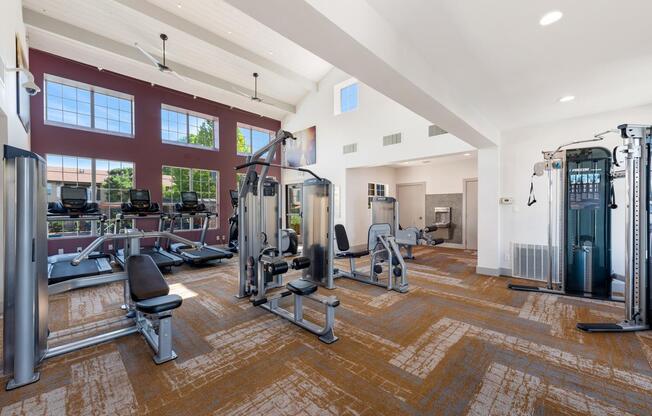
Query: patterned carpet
[457,343]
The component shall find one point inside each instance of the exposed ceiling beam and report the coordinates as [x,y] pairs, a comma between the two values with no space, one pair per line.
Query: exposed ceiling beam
[63,29]
[352,36]
[192,29]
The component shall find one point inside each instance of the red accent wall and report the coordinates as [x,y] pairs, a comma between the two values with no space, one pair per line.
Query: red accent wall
[146,149]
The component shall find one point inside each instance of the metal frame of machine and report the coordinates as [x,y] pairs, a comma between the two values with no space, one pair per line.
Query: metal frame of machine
[26,291]
[555,167]
[259,237]
[385,210]
[381,247]
[163,258]
[636,149]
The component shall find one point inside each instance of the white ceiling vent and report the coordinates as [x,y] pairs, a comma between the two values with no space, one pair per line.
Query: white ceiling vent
[435,131]
[392,139]
[350,148]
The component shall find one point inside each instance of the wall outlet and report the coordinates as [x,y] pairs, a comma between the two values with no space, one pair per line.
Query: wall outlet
[79,249]
[110,246]
[506,257]
[60,251]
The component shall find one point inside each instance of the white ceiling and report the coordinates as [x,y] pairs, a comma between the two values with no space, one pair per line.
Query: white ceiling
[498,58]
[125,25]
[455,157]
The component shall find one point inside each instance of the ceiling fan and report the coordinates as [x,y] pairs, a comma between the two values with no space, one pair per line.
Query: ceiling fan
[161,66]
[254,97]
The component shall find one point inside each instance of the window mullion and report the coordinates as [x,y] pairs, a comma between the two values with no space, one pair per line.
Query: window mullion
[92,109]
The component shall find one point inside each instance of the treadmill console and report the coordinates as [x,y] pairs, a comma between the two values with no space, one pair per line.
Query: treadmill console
[140,203]
[74,201]
[190,203]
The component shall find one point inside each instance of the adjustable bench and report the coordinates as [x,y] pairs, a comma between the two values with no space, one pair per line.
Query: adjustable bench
[153,305]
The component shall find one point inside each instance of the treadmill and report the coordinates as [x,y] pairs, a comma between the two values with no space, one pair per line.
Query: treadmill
[190,207]
[74,207]
[141,207]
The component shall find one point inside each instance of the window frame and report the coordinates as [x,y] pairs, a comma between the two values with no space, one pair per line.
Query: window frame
[371,195]
[92,89]
[190,181]
[337,96]
[188,113]
[239,125]
[93,188]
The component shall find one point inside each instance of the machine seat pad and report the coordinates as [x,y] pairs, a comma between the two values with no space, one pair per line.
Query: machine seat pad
[352,254]
[159,304]
[302,287]
[145,278]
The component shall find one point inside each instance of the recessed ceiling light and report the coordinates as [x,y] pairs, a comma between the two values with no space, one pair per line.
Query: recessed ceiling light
[270,52]
[467,154]
[99,68]
[179,5]
[425,161]
[566,98]
[551,17]
[229,32]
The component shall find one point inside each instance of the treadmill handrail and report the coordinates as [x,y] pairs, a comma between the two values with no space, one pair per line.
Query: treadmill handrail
[127,236]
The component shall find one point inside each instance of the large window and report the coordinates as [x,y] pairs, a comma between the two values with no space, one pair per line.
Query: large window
[78,105]
[374,189]
[251,139]
[346,97]
[107,183]
[187,128]
[176,180]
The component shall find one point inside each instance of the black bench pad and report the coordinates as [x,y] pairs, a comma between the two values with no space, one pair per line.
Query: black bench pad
[301,287]
[352,254]
[159,304]
[145,278]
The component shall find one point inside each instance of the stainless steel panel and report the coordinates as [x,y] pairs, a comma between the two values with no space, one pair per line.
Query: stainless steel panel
[384,210]
[317,224]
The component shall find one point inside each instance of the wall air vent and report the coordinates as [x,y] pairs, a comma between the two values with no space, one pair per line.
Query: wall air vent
[529,261]
[349,148]
[392,139]
[435,131]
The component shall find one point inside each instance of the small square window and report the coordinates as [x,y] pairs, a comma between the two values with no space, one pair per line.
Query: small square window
[349,98]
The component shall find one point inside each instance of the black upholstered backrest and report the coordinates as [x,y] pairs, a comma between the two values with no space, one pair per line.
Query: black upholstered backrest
[341,238]
[145,279]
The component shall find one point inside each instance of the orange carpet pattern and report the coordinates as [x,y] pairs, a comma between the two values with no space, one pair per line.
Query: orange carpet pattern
[456,344]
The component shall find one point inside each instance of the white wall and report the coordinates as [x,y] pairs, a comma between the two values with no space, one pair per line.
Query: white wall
[522,148]
[441,177]
[11,129]
[375,117]
[357,180]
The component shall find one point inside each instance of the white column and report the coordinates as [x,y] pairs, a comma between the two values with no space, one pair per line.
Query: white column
[489,211]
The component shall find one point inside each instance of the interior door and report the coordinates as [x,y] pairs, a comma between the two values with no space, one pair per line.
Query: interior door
[411,205]
[293,207]
[471,214]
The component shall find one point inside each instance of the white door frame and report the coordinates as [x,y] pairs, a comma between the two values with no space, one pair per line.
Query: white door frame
[464,182]
[425,192]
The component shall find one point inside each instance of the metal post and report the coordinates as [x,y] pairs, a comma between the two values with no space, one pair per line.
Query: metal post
[164,350]
[25,307]
[298,308]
